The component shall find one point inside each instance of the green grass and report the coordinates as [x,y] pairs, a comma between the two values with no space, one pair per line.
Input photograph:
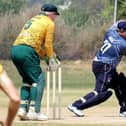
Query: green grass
[74,75]
[77,77]
[78,80]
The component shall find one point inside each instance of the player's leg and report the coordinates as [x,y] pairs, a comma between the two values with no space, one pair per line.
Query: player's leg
[36,77]
[40,91]
[19,60]
[103,74]
[99,95]
[9,89]
[25,95]
[120,92]
[74,106]
[83,103]
[118,84]
[36,94]
[98,98]
[28,63]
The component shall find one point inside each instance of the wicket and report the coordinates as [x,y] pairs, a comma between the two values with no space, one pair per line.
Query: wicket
[56,82]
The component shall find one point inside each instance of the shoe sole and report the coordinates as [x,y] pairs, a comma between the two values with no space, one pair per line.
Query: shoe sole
[75,113]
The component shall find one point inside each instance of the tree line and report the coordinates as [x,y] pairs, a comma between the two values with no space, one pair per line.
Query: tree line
[79,28]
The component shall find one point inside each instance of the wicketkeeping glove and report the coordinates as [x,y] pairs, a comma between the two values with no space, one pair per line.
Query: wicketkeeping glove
[54,63]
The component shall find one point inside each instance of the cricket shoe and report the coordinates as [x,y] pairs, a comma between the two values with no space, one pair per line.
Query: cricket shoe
[76,111]
[41,117]
[36,116]
[22,113]
[32,115]
[122,114]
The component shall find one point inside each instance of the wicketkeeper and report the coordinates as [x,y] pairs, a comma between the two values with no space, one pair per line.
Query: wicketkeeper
[104,68]
[34,42]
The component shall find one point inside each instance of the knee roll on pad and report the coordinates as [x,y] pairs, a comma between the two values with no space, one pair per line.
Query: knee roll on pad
[33,92]
[26,85]
[25,95]
[37,92]
[34,85]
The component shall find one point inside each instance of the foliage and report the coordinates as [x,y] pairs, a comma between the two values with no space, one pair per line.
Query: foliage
[121,9]
[76,16]
[78,28]
[58,2]
[107,14]
[108,11]
[13,6]
[10,27]
[79,13]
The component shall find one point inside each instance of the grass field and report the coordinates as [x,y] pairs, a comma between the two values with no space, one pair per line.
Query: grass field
[77,81]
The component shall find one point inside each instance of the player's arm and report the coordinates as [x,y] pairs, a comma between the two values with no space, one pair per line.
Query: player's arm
[52,59]
[49,40]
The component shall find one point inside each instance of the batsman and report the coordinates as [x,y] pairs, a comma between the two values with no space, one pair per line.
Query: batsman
[104,68]
[34,42]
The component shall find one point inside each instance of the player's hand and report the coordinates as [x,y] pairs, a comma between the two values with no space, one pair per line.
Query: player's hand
[54,63]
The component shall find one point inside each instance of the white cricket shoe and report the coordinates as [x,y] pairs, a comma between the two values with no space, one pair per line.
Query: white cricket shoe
[32,115]
[22,113]
[41,117]
[76,111]
[123,114]
[36,116]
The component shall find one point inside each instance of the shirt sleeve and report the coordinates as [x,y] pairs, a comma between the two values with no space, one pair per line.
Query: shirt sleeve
[49,40]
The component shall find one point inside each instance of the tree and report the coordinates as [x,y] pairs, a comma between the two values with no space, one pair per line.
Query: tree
[14,6]
[108,11]
[121,9]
